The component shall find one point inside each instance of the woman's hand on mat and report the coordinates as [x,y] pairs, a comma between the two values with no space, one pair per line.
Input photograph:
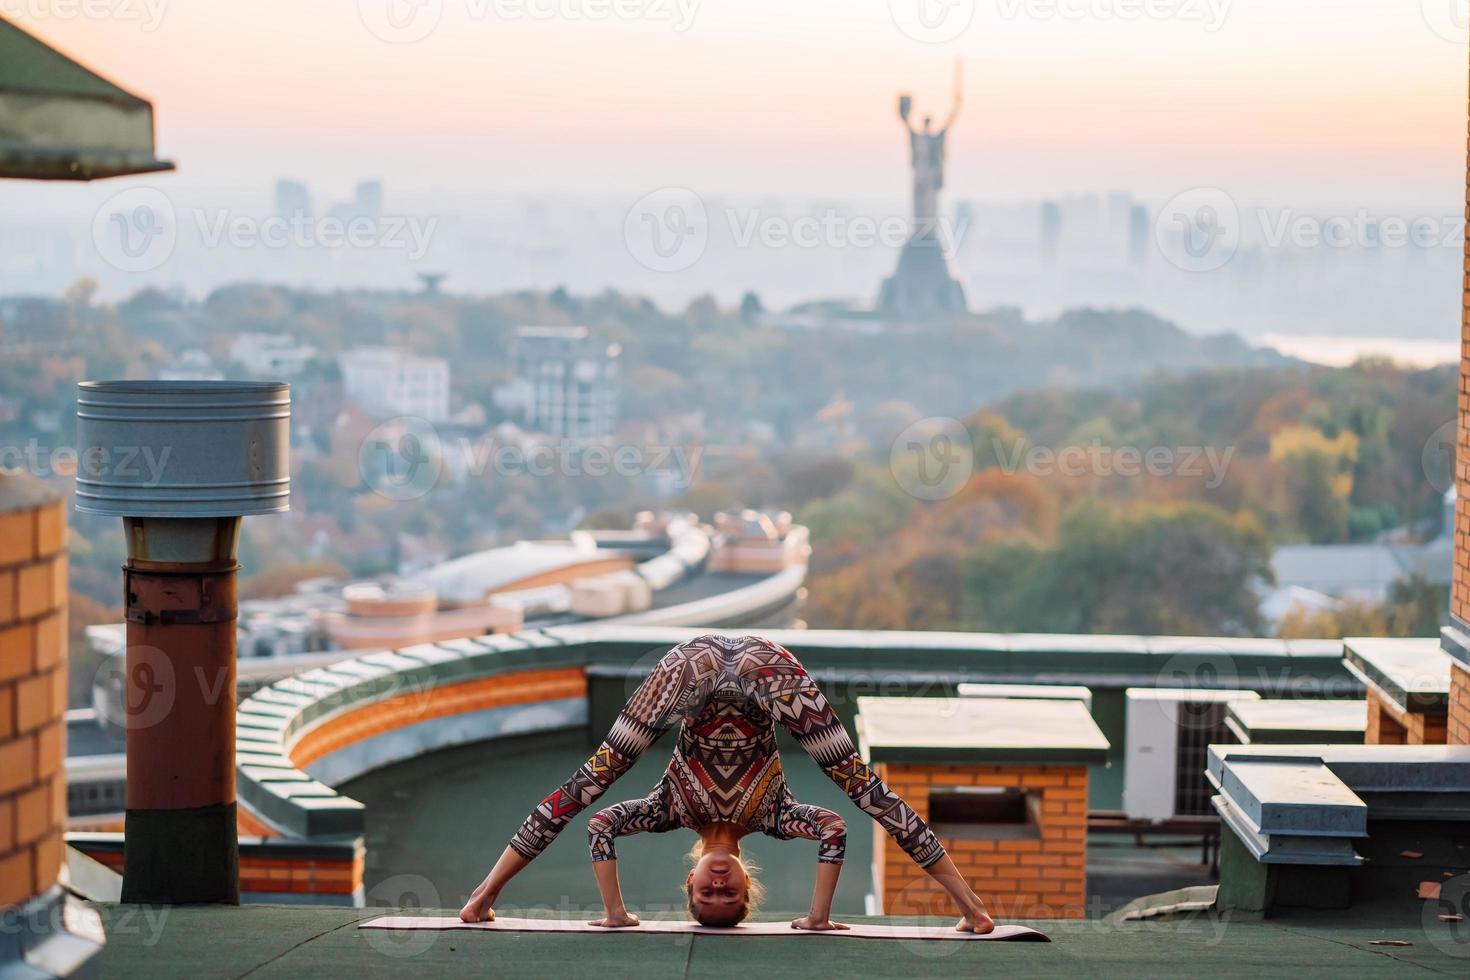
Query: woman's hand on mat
[816,924]
[621,919]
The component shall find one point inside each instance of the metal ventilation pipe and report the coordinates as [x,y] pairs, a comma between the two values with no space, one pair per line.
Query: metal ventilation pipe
[181,462]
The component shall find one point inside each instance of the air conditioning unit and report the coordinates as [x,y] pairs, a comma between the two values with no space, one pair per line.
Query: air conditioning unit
[1166,735]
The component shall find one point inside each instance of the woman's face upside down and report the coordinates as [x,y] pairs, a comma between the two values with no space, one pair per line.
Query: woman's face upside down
[719,889]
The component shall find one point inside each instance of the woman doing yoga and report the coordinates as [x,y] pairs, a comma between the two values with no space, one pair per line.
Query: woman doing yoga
[725,781]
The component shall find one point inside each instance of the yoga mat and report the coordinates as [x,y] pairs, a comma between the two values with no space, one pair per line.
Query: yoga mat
[858,930]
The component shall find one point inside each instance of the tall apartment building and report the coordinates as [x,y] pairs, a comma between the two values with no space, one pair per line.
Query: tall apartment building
[388,381]
[571,383]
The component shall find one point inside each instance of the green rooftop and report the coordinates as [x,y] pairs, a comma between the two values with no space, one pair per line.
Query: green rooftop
[266,942]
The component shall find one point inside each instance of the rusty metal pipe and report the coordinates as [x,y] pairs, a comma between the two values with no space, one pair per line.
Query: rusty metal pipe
[181,843]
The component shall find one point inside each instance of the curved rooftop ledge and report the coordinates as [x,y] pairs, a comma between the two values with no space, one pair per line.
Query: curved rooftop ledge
[300,736]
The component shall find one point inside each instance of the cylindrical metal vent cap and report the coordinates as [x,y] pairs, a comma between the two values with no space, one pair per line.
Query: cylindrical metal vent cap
[183,448]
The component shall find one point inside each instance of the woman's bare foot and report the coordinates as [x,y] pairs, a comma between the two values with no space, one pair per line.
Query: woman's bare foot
[976,920]
[478,908]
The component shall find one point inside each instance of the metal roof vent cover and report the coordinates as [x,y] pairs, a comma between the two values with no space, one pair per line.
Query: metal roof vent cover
[183,448]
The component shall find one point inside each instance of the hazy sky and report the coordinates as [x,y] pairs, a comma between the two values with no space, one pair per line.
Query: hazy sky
[1276,100]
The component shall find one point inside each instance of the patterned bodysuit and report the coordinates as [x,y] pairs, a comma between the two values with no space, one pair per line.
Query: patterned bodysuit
[729,693]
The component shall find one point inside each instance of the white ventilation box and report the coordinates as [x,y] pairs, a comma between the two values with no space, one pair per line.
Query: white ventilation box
[1166,734]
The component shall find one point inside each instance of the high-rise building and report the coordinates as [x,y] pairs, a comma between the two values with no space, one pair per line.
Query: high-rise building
[1138,236]
[388,381]
[1051,233]
[571,383]
[367,199]
[293,199]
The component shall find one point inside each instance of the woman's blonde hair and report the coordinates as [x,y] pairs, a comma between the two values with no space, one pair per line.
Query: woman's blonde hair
[755,892]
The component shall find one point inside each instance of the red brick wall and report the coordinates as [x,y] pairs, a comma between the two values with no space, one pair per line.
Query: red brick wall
[1460,588]
[1459,717]
[260,872]
[1043,878]
[1458,732]
[32,689]
[1387,725]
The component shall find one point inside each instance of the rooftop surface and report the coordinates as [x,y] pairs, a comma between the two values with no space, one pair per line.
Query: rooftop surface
[265,941]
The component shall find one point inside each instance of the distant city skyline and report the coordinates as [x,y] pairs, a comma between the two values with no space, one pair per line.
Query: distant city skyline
[1272,102]
[512,151]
